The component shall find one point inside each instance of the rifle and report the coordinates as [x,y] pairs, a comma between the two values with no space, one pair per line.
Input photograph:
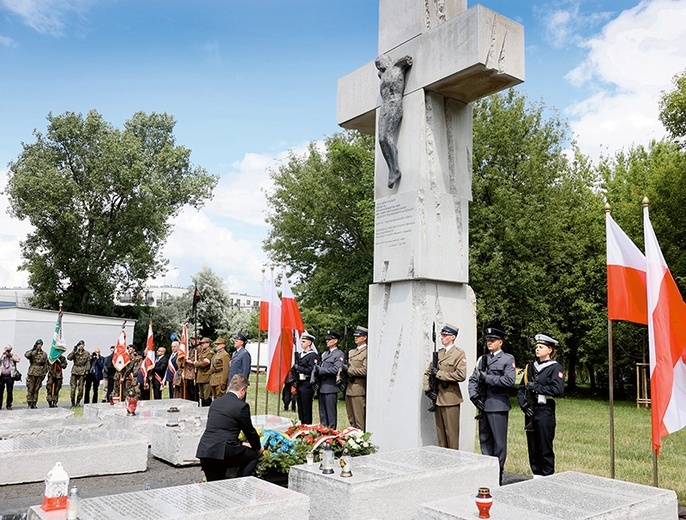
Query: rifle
[529,396]
[342,378]
[479,399]
[432,394]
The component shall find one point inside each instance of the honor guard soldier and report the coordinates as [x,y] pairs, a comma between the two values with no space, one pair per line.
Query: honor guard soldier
[55,378]
[451,370]
[326,373]
[38,367]
[356,391]
[241,360]
[302,375]
[543,379]
[219,369]
[81,359]
[202,371]
[489,389]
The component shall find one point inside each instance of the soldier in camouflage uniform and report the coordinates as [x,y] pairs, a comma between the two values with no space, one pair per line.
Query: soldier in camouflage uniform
[38,367]
[54,383]
[82,362]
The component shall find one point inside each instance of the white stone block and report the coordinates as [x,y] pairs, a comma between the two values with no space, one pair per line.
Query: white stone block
[245,498]
[29,458]
[178,446]
[401,316]
[50,426]
[565,496]
[38,414]
[102,410]
[392,485]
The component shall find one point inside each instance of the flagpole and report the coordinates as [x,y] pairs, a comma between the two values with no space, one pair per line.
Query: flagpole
[278,395]
[611,375]
[257,372]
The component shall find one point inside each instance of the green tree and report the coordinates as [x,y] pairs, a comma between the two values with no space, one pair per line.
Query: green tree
[536,237]
[321,213]
[100,200]
[673,108]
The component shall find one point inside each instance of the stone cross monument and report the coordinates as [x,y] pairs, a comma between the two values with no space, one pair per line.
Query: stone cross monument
[450,56]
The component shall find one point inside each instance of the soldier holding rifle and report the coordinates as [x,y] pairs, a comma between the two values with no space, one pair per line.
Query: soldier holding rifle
[450,371]
[543,379]
[495,372]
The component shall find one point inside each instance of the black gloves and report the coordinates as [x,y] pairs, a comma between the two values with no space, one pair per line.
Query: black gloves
[431,394]
[344,368]
[434,371]
[478,402]
[482,375]
[531,386]
[528,411]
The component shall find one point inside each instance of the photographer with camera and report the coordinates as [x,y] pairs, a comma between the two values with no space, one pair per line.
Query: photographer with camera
[95,374]
[8,374]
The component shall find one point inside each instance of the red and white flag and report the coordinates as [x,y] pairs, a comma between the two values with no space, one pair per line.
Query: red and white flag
[264,304]
[280,364]
[183,344]
[149,361]
[274,335]
[121,354]
[626,276]
[667,342]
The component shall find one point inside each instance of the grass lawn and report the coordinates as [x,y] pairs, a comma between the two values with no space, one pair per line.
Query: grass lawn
[582,440]
[582,443]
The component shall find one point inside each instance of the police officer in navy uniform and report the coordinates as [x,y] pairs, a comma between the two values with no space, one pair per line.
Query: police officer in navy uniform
[302,373]
[543,379]
[497,372]
[326,372]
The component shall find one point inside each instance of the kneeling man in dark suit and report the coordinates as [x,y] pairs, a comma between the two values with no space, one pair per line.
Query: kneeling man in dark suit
[219,447]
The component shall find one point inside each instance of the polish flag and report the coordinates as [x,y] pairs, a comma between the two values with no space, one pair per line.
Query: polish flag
[274,332]
[149,360]
[183,344]
[264,304]
[667,342]
[626,276]
[291,321]
[121,354]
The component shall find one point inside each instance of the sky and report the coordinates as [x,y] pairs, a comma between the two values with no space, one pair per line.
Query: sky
[249,82]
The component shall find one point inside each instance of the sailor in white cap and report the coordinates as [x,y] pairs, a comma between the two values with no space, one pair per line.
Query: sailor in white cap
[543,380]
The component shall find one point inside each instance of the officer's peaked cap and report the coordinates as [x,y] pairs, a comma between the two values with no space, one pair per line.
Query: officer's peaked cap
[546,340]
[493,333]
[449,329]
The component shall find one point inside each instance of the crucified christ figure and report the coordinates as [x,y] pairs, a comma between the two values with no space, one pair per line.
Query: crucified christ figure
[392,77]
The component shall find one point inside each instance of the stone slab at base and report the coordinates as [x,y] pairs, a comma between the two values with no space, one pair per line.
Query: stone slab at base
[49,425]
[38,414]
[103,410]
[245,498]
[177,445]
[565,496]
[392,485]
[29,458]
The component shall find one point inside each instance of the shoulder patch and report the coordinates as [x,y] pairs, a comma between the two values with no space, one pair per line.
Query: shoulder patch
[561,374]
[464,360]
[513,365]
[341,358]
[315,361]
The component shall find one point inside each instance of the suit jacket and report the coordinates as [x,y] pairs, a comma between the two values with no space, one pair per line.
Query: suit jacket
[452,369]
[219,368]
[240,363]
[227,417]
[357,372]
[172,367]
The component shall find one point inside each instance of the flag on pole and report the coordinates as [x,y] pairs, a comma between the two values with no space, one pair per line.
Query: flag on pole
[197,298]
[264,304]
[149,361]
[183,344]
[274,334]
[666,340]
[59,345]
[291,320]
[121,354]
[626,276]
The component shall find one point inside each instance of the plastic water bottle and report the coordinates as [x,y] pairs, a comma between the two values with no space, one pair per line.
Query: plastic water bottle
[74,506]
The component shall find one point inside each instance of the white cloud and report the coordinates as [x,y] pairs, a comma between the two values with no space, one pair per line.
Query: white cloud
[46,16]
[627,66]
[12,231]
[7,42]
[564,21]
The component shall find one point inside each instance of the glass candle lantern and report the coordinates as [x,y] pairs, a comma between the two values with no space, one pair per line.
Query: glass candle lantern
[484,501]
[173,416]
[56,487]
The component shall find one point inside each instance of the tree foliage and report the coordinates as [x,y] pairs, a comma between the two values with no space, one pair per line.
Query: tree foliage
[321,213]
[100,200]
[536,238]
[673,109]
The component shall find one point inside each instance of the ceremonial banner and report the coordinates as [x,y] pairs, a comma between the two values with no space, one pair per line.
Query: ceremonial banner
[59,345]
[264,304]
[149,361]
[121,355]
[274,329]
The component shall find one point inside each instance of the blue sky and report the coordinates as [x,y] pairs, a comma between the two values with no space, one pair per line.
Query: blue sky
[248,81]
